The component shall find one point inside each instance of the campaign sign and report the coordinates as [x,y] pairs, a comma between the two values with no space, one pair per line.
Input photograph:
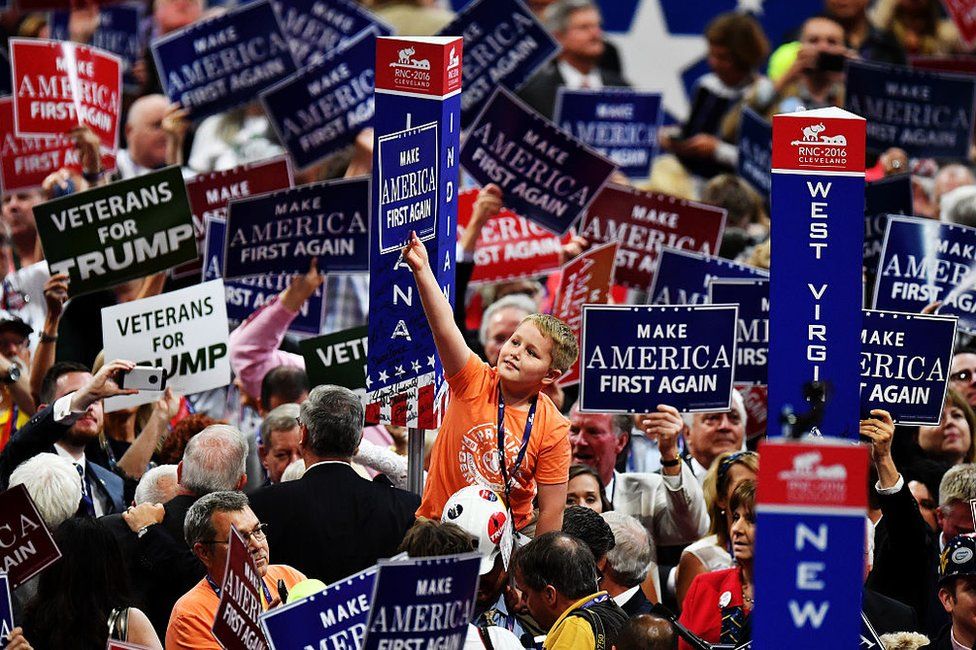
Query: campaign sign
[960,64]
[415,174]
[633,358]
[620,123]
[923,261]
[508,246]
[963,14]
[281,232]
[928,114]
[332,619]
[314,27]
[28,547]
[26,162]
[236,624]
[752,329]
[755,397]
[586,279]
[505,44]
[447,585]
[643,222]
[809,550]
[119,31]
[6,608]
[114,233]
[322,108]
[61,85]
[905,360]
[338,358]
[755,150]
[545,174]
[682,276]
[219,63]
[210,193]
[889,195]
[184,332]
[246,295]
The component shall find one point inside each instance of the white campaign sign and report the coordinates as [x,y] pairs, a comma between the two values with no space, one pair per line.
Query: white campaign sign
[185,332]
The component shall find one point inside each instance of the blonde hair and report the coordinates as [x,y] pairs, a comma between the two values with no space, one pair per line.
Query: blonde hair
[716,484]
[565,349]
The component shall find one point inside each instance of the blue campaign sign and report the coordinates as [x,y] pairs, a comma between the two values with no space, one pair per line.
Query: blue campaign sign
[889,195]
[752,330]
[620,123]
[6,608]
[924,261]
[407,185]
[119,31]
[333,619]
[682,276]
[504,44]
[928,114]
[755,150]
[322,108]
[282,231]
[315,28]
[220,63]
[633,358]
[246,295]
[545,174]
[905,361]
[404,588]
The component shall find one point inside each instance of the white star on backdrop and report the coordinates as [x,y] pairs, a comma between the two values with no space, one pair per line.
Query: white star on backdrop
[384,377]
[399,372]
[368,381]
[754,7]
[431,362]
[415,365]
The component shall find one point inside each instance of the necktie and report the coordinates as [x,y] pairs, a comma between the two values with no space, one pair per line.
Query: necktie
[87,503]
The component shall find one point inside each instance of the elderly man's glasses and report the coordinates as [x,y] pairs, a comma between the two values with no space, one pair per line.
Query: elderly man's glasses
[259,534]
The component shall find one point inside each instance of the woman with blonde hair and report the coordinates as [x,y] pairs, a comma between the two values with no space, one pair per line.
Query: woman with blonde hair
[919,26]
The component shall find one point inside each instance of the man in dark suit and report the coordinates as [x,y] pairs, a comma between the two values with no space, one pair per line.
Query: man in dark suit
[628,563]
[332,522]
[577,26]
[68,424]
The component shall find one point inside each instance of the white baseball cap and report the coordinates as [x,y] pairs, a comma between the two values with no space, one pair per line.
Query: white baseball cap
[479,512]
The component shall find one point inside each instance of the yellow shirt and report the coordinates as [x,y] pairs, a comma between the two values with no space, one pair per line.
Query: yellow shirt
[572,632]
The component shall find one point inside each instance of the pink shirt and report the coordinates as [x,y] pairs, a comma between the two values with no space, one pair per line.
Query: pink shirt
[254,346]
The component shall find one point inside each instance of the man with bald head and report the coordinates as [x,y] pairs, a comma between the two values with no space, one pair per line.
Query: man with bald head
[145,136]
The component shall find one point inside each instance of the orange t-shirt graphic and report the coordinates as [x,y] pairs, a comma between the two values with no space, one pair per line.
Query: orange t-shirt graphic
[466,449]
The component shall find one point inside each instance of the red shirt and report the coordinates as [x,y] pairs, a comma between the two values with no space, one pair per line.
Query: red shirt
[702,609]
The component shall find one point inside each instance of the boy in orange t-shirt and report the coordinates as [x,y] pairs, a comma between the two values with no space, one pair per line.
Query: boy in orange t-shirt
[534,436]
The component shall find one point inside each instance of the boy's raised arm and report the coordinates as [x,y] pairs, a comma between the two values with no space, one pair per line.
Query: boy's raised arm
[451,347]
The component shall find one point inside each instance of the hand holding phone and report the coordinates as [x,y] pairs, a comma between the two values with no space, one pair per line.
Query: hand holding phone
[144,378]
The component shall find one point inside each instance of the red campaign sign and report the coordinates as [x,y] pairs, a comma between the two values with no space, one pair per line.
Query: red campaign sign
[642,222]
[586,279]
[509,246]
[26,545]
[41,5]
[963,14]
[236,624]
[26,162]
[429,65]
[210,193]
[957,64]
[823,473]
[825,139]
[60,85]
[755,397]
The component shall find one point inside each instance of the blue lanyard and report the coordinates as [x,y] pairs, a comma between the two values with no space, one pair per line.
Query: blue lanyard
[507,477]
[599,598]
[267,592]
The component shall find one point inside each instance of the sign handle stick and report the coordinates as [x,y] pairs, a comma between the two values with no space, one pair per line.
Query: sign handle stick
[415,460]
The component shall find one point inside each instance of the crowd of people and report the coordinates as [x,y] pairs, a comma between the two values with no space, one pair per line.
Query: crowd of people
[611,516]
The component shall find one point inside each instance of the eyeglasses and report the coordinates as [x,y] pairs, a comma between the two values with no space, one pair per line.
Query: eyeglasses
[965,376]
[259,534]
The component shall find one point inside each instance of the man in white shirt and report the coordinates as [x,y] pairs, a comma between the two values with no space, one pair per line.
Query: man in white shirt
[711,434]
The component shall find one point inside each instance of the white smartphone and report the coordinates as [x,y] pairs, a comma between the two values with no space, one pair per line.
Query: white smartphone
[144,378]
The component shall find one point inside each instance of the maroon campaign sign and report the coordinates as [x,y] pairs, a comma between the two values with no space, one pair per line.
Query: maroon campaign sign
[26,162]
[586,279]
[236,625]
[210,193]
[963,13]
[26,545]
[60,85]
[642,222]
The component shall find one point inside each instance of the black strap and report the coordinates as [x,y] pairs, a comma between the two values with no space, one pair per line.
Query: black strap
[599,632]
[485,638]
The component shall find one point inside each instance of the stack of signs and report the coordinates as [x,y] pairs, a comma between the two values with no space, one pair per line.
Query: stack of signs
[236,624]
[332,618]
[905,361]
[620,123]
[118,232]
[889,195]
[220,63]
[184,332]
[964,17]
[314,27]
[682,276]
[509,246]
[752,330]
[60,86]
[924,261]
[633,358]
[283,231]
[545,174]
[928,114]
[585,279]
[755,150]
[28,547]
[505,44]
[322,108]
[338,358]
[416,133]
[644,222]
[120,31]
[446,585]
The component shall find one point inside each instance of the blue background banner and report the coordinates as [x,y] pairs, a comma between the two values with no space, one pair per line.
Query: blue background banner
[755,150]
[315,28]
[889,195]
[6,608]
[119,32]
[619,123]
[752,330]
[682,276]
[633,358]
